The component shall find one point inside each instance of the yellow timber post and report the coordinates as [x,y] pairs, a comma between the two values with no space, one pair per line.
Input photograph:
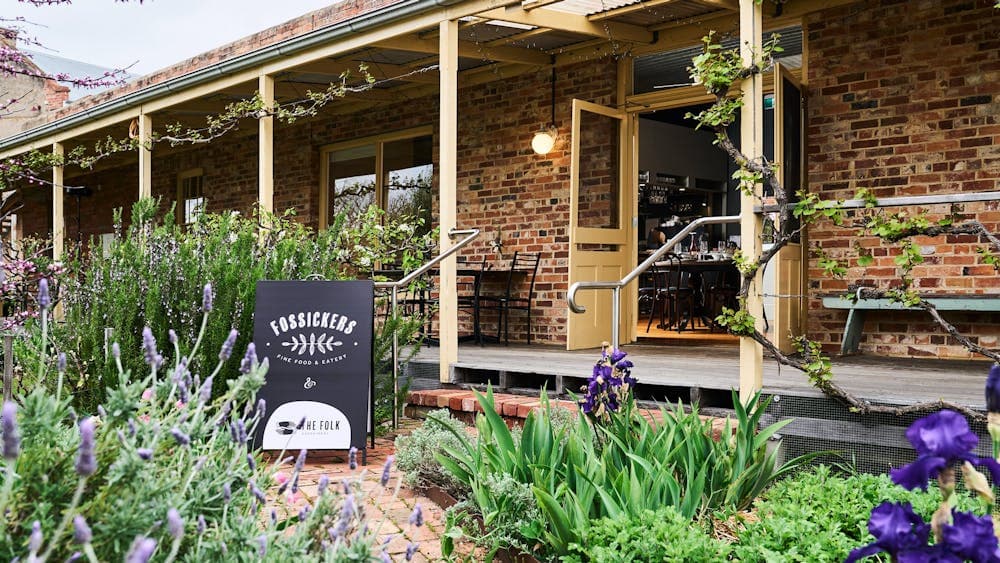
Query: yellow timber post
[58,219]
[752,145]
[265,153]
[448,178]
[145,155]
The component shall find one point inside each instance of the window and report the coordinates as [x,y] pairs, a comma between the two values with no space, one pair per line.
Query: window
[392,171]
[190,196]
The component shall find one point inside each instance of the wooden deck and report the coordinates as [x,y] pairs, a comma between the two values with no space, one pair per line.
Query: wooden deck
[674,371]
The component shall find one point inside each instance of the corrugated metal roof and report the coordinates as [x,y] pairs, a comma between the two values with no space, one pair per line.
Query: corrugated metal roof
[53,64]
[588,7]
[647,16]
[669,69]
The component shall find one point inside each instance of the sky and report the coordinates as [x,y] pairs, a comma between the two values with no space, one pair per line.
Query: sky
[151,35]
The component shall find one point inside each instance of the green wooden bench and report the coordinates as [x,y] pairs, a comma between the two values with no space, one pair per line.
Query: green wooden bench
[858,309]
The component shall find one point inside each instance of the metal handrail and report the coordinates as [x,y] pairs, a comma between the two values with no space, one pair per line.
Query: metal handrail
[616,286]
[470,235]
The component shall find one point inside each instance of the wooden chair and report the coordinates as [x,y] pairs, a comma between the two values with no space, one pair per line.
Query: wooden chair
[523,264]
[675,294]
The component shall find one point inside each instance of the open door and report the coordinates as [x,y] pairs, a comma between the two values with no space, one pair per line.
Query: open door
[598,230]
[789,264]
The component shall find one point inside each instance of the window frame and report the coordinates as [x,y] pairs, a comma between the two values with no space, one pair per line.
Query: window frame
[181,208]
[379,142]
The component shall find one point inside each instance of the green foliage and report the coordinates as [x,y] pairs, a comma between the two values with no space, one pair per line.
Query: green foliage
[416,453]
[810,207]
[651,536]
[153,272]
[989,258]
[818,516]
[739,322]
[817,366]
[617,469]
[150,454]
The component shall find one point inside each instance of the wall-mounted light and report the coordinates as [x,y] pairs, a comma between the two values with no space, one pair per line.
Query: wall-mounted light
[545,140]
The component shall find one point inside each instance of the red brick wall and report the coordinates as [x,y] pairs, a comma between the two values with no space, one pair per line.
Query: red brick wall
[904,99]
[505,189]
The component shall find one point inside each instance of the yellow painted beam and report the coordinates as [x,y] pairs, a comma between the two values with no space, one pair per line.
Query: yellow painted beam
[381,71]
[612,31]
[649,5]
[470,49]
[145,155]
[751,224]
[265,153]
[58,218]
[540,4]
[448,199]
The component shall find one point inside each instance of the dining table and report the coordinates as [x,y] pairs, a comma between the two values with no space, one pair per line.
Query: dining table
[697,265]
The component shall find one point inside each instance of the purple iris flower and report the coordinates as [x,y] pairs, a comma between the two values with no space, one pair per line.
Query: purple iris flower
[971,538]
[898,531]
[617,356]
[993,389]
[941,439]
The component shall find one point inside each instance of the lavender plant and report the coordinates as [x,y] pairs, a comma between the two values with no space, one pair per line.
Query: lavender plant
[164,472]
[943,442]
[152,275]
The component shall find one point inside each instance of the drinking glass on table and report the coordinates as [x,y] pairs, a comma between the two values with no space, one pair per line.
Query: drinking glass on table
[703,247]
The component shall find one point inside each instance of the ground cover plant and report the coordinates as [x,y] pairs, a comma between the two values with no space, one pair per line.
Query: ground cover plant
[165,471]
[152,272]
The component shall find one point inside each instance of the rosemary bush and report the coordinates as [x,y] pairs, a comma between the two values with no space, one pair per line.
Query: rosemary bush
[164,471]
[152,274]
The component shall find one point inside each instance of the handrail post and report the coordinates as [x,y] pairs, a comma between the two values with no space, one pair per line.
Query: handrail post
[395,359]
[616,294]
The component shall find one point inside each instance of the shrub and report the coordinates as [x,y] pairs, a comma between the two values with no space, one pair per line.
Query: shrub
[163,470]
[512,522]
[152,273]
[650,536]
[817,516]
[416,454]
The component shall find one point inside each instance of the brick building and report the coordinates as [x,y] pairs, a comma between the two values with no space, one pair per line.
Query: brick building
[902,97]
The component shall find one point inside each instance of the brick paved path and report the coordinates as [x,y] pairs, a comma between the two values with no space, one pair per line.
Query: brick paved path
[396,513]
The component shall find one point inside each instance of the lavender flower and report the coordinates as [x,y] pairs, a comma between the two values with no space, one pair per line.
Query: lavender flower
[300,461]
[301,423]
[172,336]
[324,482]
[11,436]
[417,518]
[274,517]
[227,347]
[81,531]
[251,462]
[941,439]
[206,298]
[86,461]
[131,427]
[261,409]
[352,458]
[142,550]
[227,493]
[205,393]
[145,454]
[241,432]
[257,492]
[411,550]
[201,525]
[36,539]
[44,300]
[175,524]
[181,438]
[149,347]
[384,557]
[249,359]
[61,362]
[386,469]
[262,546]
[303,513]
[101,412]
[116,350]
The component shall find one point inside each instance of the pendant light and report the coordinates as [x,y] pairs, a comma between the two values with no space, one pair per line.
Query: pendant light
[545,140]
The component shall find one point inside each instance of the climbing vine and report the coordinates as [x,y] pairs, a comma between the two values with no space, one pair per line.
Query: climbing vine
[720,70]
